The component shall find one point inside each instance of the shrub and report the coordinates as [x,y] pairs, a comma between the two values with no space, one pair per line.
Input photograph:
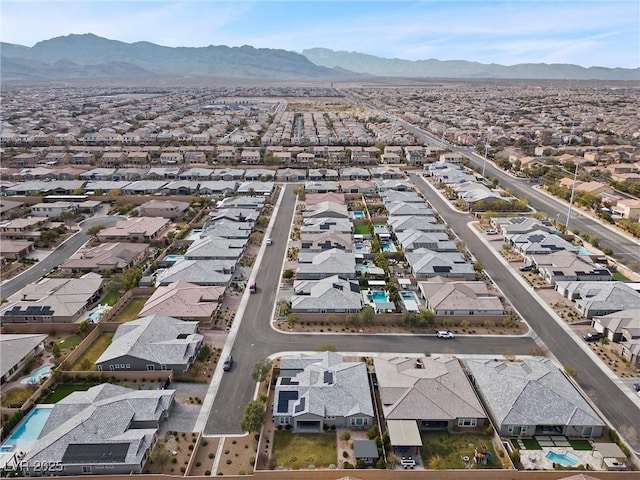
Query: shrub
[229,462]
[345,454]
[198,464]
[345,436]
[212,455]
[207,473]
[347,466]
[174,460]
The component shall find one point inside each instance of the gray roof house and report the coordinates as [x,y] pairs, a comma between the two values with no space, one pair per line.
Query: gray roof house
[532,396]
[181,187]
[241,215]
[254,203]
[406,197]
[217,187]
[567,266]
[211,247]
[539,242]
[225,228]
[334,294]
[619,326]
[459,298]
[355,173]
[143,187]
[399,185]
[321,186]
[315,266]
[107,428]
[433,391]
[320,225]
[15,350]
[263,174]
[428,263]
[513,225]
[199,272]
[412,222]
[318,390]
[291,175]
[325,241]
[399,208]
[599,298]
[413,239]
[255,188]
[155,342]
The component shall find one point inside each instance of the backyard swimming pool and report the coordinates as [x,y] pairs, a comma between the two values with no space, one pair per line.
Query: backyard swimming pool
[410,301]
[27,431]
[37,376]
[357,214]
[98,313]
[172,258]
[387,246]
[567,459]
[379,296]
[194,234]
[361,248]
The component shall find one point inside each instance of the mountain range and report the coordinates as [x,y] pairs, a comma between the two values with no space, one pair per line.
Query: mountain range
[89,57]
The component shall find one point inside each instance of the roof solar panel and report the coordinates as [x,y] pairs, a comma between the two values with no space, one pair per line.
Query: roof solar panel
[284,398]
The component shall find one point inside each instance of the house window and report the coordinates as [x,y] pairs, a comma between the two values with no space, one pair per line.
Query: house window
[283,420]
[86,469]
[467,422]
[359,421]
[151,368]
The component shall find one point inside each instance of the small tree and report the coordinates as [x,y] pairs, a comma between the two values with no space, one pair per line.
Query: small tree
[83,327]
[55,351]
[160,455]
[261,369]
[93,231]
[367,315]
[253,416]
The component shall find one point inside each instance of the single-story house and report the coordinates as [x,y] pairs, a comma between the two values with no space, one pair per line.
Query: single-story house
[318,390]
[185,301]
[115,257]
[163,208]
[16,349]
[459,298]
[137,228]
[333,294]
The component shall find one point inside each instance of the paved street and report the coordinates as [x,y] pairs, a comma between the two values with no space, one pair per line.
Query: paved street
[256,339]
[606,395]
[55,258]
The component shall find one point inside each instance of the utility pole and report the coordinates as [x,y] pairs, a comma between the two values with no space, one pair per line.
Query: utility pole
[573,191]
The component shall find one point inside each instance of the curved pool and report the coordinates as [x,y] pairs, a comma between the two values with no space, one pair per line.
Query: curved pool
[37,376]
[567,459]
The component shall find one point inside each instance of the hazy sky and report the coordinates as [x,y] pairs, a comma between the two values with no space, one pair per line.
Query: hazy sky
[588,33]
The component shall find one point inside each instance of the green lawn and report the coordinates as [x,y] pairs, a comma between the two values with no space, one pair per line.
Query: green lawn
[72,341]
[131,309]
[361,229]
[451,448]
[580,444]
[16,397]
[530,443]
[110,298]
[65,389]
[618,277]
[294,451]
[91,354]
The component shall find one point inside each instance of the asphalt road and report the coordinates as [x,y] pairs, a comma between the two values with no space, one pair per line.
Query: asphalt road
[256,339]
[624,249]
[55,258]
[616,406]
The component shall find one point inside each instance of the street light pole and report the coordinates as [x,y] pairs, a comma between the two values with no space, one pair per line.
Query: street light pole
[484,164]
[573,191]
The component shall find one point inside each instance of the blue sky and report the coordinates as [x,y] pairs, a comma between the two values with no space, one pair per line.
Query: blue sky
[588,33]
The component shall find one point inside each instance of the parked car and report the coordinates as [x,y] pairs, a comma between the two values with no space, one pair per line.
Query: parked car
[636,387]
[492,232]
[526,268]
[444,334]
[593,336]
[226,366]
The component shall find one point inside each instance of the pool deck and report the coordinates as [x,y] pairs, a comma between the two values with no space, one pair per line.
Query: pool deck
[537,459]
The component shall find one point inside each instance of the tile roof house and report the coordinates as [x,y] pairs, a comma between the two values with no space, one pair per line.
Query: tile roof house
[432,391]
[314,391]
[185,301]
[532,396]
[599,298]
[411,240]
[333,294]
[315,266]
[163,208]
[358,186]
[315,198]
[325,241]
[326,209]
[427,263]
[16,349]
[154,342]
[52,300]
[138,228]
[106,428]
[567,266]
[459,298]
[114,257]
[198,272]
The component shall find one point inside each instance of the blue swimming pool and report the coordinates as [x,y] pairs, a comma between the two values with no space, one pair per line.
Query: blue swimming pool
[28,431]
[379,296]
[37,376]
[387,246]
[567,459]
[361,248]
[172,258]
[357,214]
[584,252]
[96,315]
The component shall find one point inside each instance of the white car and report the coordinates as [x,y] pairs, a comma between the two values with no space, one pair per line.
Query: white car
[444,334]
[269,242]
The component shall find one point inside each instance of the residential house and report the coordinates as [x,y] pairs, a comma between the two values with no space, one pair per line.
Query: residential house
[400,209]
[154,342]
[22,228]
[564,266]
[622,326]
[323,174]
[260,174]
[532,396]
[599,298]
[137,228]
[218,187]
[184,301]
[193,157]
[322,390]
[255,188]
[452,158]
[10,207]
[171,157]
[517,225]
[54,209]
[199,272]
[315,198]
[253,203]
[411,240]
[427,263]
[355,173]
[387,173]
[211,247]
[181,187]
[98,174]
[228,174]
[419,223]
[389,196]
[106,428]
[291,175]
[196,173]
[112,257]
[163,208]
[320,225]
[335,294]
[52,300]
[459,298]
[16,350]
[236,215]
[228,228]
[129,174]
[399,185]
[318,242]
[627,208]
[433,392]
[364,187]
[144,187]
[315,266]
[250,157]
[113,159]
[163,173]
[321,186]
[539,242]
[16,249]
[326,209]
